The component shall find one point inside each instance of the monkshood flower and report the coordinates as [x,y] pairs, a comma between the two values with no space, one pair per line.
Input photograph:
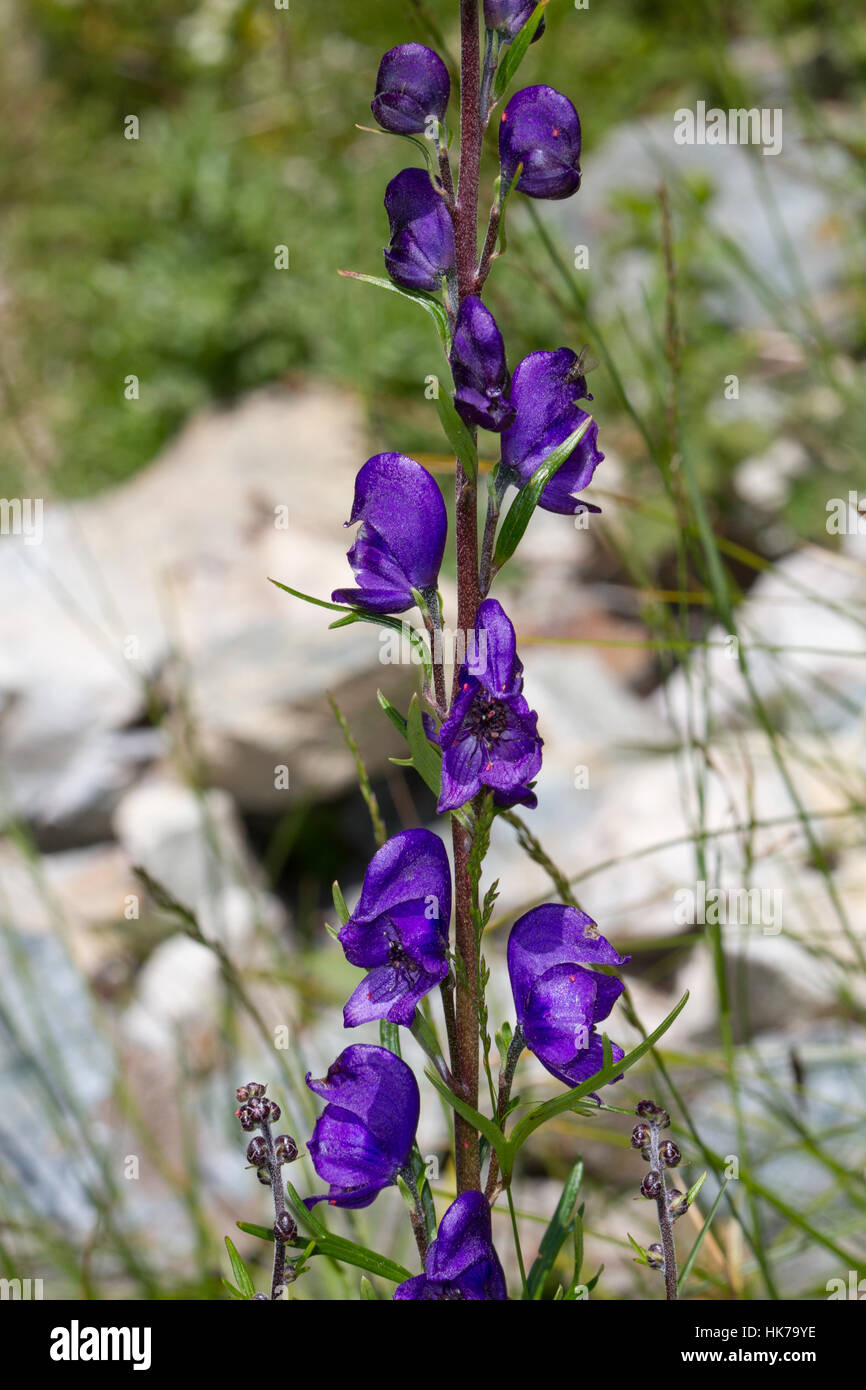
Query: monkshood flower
[401,540]
[479,369]
[558,1000]
[540,129]
[399,930]
[364,1136]
[544,393]
[412,85]
[509,17]
[489,738]
[461,1262]
[422,233]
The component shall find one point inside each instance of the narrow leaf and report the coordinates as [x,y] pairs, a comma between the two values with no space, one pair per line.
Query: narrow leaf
[527,499]
[457,434]
[242,1277]
[560,1227]
[340,907]
[432,306]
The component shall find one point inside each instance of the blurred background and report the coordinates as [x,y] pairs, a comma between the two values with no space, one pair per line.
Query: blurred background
[192,417]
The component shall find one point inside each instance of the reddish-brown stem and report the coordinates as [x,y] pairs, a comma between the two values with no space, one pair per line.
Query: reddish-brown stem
[471,132]
[465,1136]
[468,597]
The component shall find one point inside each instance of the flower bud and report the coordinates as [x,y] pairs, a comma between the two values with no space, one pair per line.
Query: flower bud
[652,1184]
[247,1121]
[285,1227]
[264,1177]
[422,234]
[412,85]
[669,1154]
[640,1136]
[678,1203]
[243,1093]
[257,1151]
[646,1109]
[274,1111]
[656,1256]
[540,130]
[258,1110]
[256,1089]
[478,366]
[287,1148]
[509,17]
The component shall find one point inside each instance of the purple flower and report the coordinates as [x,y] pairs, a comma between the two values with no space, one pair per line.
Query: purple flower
[540,129]
[489,738]
[461,1262]
[509,17]
[412,84]
[558,1001]
[422,233]
[365,1134]
[479,369]
[401,540]
[399,930]
[544,393]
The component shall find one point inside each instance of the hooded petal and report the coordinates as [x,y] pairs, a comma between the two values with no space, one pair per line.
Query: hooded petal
[479,368]
[461,1262]
[540,129]
[422,233]
[544,392]
[366,1131]
[411,866]
[558,1001]
[554,935]
[493,658]
[509,17]
[402,536]
[412,85]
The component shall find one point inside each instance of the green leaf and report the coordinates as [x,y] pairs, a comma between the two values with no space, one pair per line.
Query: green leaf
[457,434]
[432,306]
[340,907]
[560,1227]
[392,712]
[234,1293]
[263,1232]
[426,760]
[561,1104]
[308,598]
[516,52]
[527,499]
[246,1287]
[642,1255]
[368,1293]
[389,1036]
[695,1188]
